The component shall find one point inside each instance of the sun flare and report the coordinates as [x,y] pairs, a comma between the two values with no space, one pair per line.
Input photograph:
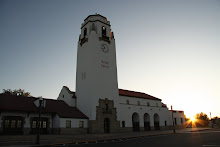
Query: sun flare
[193,119]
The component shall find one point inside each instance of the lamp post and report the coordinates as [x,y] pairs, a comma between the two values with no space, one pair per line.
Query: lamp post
[39,104]
[174,131]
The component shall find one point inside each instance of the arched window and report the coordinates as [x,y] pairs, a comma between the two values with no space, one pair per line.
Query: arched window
[138,102]
[135,122]
[85,32]
[156,122]
[93,26]
[106,106]
[103,31]
[147,122]
[127,101]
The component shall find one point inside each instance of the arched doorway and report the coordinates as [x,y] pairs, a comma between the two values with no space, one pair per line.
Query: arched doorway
[135,122]
[106,125]
[156,122]
[146,122]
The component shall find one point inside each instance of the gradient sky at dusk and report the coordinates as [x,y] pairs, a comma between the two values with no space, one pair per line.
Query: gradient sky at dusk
[169,49]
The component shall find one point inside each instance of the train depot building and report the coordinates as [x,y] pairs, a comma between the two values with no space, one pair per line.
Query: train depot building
[97,105]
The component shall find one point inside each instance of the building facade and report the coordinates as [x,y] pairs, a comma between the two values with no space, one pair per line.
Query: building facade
[98,105]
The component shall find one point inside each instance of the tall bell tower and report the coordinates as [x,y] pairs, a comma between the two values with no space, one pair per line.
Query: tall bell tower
[96,75]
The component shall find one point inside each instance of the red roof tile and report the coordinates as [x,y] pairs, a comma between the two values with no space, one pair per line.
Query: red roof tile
[20,103]
[124,92]
[129,93]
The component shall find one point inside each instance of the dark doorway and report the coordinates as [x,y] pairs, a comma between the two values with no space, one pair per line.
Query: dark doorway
[146,126]
[106,125]
[135,122]
[146,122]
[13,125]
[156,122]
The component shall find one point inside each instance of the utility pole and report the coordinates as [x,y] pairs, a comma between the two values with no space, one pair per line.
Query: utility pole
[174,131]
[39,121]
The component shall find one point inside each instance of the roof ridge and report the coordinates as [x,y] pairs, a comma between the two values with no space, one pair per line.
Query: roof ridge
[136,94]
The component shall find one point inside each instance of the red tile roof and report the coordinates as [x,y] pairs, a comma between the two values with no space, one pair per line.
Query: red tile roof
[164,105]
[124,92]
[176,111]
[129,93]
[20,103]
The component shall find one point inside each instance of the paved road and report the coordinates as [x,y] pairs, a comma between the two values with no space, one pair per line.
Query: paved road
[105,139]
[190,139]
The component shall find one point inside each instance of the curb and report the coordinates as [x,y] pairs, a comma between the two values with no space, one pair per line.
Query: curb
[200,130]
[105,140]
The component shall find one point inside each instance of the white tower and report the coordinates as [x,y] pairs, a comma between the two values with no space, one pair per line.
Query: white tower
[96,76]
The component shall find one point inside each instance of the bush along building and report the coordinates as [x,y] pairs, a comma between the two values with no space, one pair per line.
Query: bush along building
[98,105]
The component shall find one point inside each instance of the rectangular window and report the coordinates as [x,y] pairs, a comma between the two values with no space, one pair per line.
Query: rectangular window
[175,121]
[123,124]
[68,123]
[165,123]
[81,124]
[6,123]
[181,120]
[19,124]
[34,124]
[13,123]
[84,75]
[44,124]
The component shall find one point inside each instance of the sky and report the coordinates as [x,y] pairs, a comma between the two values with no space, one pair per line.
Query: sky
[169,49]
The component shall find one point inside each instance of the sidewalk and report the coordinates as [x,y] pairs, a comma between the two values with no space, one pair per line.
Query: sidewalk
[30,140]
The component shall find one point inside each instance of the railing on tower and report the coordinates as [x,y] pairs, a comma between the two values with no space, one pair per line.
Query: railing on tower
[104,38]
[83,40]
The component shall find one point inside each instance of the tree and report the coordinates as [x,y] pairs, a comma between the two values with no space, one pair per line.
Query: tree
[216,120]
[202,119]
[19,92]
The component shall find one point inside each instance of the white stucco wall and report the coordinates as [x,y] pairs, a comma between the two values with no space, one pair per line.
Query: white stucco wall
[67,97]
[56,121]
[178,115]
[127,110]
[96,76]
[74,122]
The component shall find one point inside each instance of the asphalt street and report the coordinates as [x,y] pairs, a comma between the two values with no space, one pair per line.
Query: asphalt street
[192,139]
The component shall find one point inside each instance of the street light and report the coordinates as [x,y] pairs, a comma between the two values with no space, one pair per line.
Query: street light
[40,103]
[174,131]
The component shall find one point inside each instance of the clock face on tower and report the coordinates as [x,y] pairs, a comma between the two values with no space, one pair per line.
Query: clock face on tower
[104,48]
